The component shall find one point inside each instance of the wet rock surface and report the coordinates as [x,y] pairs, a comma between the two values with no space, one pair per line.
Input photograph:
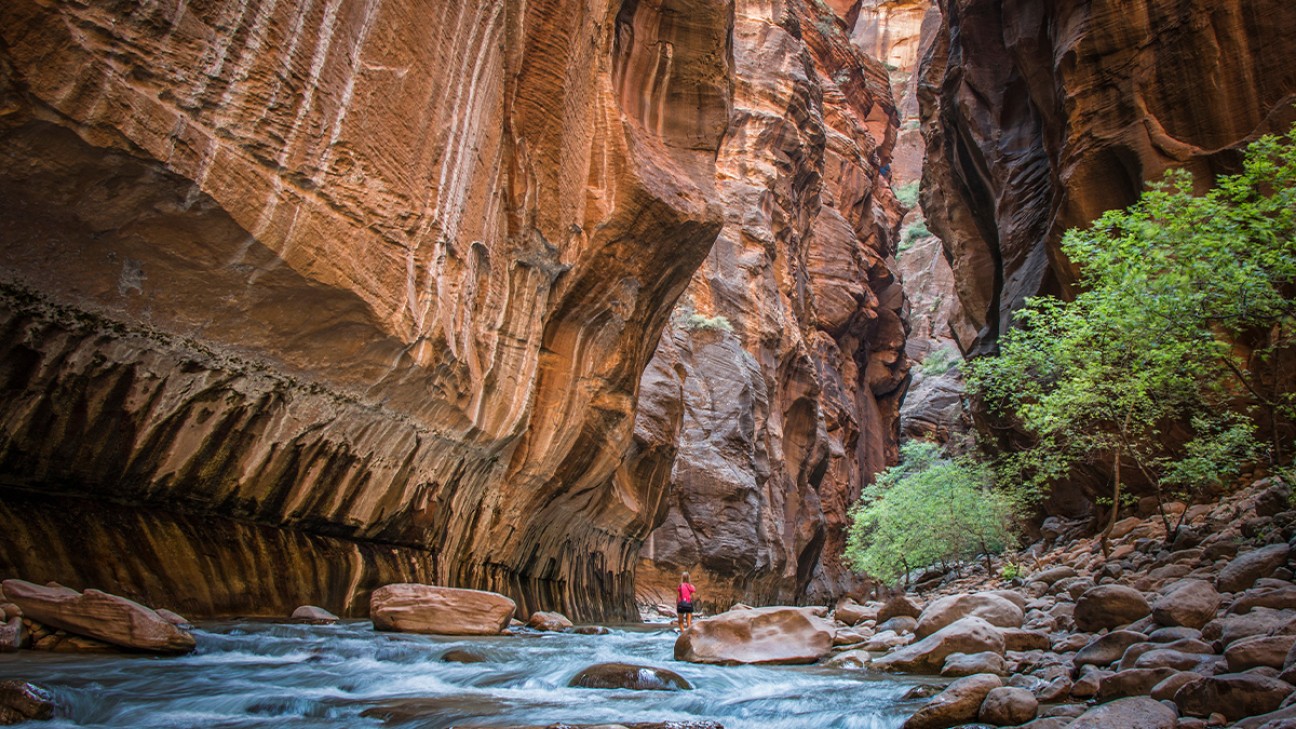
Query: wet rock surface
[629,676]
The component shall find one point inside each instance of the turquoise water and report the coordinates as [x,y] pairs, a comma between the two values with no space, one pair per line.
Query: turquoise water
[251,674]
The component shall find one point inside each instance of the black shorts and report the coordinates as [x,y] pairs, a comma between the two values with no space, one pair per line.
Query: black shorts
[684,607]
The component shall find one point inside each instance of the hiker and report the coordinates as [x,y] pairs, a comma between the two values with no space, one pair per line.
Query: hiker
[684,603]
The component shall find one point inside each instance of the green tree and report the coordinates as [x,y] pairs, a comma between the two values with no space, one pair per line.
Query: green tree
[926,510]
[1175,344]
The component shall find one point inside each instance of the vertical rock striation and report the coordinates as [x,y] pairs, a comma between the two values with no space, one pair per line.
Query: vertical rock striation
[371,282]
[1041,115]
[774,394]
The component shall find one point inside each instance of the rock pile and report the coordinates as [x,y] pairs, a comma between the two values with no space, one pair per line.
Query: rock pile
[1195,631]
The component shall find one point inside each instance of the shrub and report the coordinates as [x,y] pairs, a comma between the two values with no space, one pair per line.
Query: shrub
[928,509]
[938,362]
[907,194]
[707,323]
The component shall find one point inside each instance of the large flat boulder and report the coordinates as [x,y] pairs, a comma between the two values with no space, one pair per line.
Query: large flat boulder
[761,635]
[94,614]
[969,635]
[413,608]
[994,609]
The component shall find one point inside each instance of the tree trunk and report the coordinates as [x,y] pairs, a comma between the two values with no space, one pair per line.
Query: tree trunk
[1115,507]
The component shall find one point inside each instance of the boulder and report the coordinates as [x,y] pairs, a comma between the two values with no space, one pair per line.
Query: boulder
[1134,682]
[900,625]
[1170,658]
[1011,596]
[1284,718]
[314,615]
[887,640]
[969,635]
[1008,706]
[1260,621]
[1137,712]
[549,621]
[459,655]
[970,664]
[175,619]
[98,615]
[898,606]
[1108,648]
[848,636]
[850,612]
[761,635]
[1170,635]
[1190,603]
[1053,574]
[856,660]
[21,701]
[957,704]
[1017,639]
[1109,606]
[1248,567]
[1166,690]
[591,630]
[12,635]
[1234,695]
[991,608]
[1276,598]
[629,676]
[1259,650]
[1086,686]
[409,607]
[1054,691]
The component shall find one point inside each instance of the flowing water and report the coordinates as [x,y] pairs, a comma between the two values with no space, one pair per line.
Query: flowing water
[251,674]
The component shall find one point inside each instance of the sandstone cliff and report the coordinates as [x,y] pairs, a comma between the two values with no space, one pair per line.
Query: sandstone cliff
[299,298]
[1041,115]
[774,394]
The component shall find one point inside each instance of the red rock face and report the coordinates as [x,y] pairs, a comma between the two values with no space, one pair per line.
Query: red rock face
[1041,115]
[368,273]
[774,394]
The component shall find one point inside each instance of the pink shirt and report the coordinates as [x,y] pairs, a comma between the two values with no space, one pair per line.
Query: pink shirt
[686,591]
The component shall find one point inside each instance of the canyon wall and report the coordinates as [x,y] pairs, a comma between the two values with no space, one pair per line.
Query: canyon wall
[299,298]
[774,394]
[1039,115]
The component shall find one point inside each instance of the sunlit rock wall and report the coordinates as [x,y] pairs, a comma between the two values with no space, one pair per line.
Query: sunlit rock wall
[370,282]
[1041,114]
[774,394]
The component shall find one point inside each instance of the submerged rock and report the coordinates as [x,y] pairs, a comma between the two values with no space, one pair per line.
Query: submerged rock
[549,621]
[98,615]
[314,615]
[629,676]
[21,701]
[414,608]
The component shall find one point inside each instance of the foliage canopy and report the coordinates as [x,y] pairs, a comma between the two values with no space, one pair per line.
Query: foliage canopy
[1170,354]
[928,509]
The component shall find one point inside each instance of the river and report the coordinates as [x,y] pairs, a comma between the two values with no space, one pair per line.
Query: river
[256,674]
